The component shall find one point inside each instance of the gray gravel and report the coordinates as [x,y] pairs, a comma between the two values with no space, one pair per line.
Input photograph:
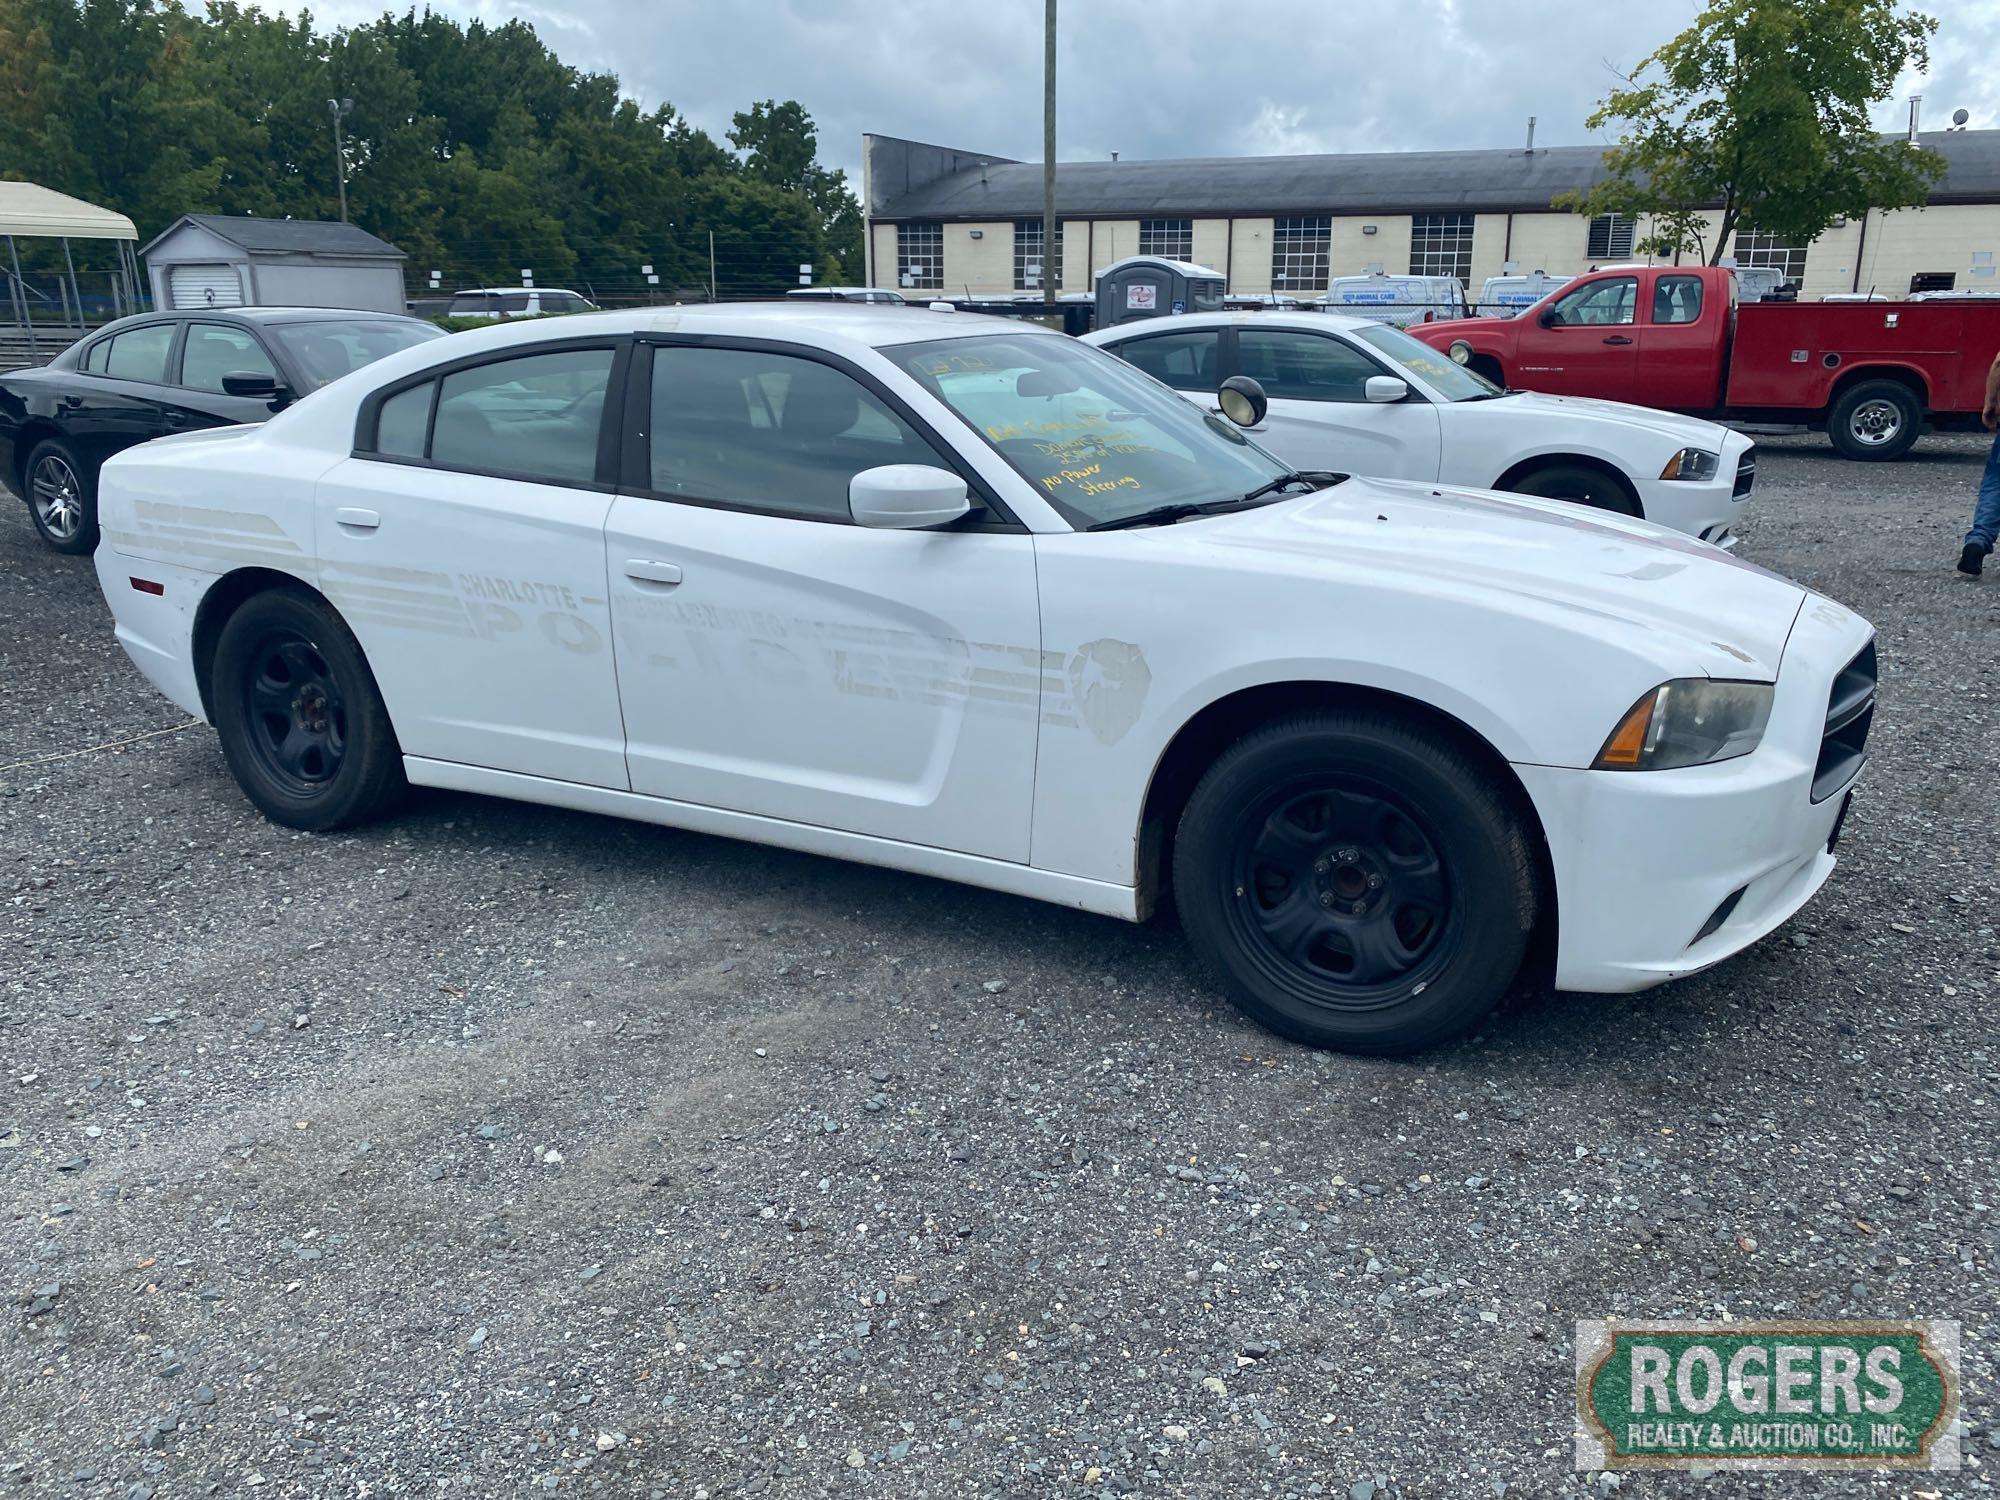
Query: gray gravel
[504,1151]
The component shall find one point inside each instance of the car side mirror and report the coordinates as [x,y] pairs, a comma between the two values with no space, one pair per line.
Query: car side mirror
[1243,401]
[907,497]
[251,384]
[1549,317]
[1385,388]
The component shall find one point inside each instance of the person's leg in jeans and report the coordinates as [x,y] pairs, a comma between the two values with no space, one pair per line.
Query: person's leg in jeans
[1985,516]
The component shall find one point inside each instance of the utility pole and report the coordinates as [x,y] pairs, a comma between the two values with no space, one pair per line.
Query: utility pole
[339,108]
[1051,256]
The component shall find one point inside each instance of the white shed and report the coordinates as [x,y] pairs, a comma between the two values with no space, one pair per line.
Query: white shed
[225,260]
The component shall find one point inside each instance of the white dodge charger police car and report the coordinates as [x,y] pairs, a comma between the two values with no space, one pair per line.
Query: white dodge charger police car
[1364,398]
[966,597]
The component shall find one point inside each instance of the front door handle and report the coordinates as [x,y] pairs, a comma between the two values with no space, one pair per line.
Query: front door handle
[1617,338]
[650,570]
[357,519]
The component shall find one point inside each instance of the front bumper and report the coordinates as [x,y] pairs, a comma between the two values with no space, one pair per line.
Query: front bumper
[1644,860]
[1709,509]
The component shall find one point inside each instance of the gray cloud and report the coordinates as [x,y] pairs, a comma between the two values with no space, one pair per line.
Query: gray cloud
[1152,78]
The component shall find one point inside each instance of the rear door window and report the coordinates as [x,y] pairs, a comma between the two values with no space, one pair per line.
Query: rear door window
[1187,361]
[1677,299]
[141,354]
[1304,366]
[535,416]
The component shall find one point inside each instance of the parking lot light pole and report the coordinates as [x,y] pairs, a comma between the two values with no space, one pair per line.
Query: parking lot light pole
[339,108]
[1050,254]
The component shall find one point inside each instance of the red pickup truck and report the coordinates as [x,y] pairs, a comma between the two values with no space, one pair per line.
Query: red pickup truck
[1870,373]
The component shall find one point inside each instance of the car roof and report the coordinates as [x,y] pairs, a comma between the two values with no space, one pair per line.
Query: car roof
[799,319]
[508,291]
[259,315]
[1276,317]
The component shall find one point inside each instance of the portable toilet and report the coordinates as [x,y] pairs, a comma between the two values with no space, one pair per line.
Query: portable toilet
[1151,286]
[1395,299]
[1505,296]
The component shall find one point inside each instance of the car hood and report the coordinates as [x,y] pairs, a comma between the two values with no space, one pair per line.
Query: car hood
[1683,431]
[1694,603]
[1440,334]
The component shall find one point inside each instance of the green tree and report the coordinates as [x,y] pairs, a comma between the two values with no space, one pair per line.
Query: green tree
[781,146]
[1759,110]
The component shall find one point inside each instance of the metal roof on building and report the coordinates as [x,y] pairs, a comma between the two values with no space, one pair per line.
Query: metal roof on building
[1389,182]
[288,236]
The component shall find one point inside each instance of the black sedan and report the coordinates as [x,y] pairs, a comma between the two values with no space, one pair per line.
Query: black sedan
[160,373]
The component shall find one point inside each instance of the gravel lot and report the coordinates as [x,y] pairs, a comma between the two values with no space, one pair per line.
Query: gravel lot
[505,1151]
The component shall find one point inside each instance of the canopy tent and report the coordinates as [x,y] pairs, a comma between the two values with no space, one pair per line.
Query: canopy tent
[30,211]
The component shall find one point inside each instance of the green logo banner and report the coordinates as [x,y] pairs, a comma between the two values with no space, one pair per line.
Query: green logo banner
[1807,1395]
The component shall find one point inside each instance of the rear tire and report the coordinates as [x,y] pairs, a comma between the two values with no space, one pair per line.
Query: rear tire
[1355,880]
[61,492]
[1585,486]
[1875,420]
[301,721]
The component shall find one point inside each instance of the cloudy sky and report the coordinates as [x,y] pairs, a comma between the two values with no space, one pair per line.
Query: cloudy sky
[1150,78]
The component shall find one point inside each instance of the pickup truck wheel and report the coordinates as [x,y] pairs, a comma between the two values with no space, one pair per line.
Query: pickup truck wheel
[1586,486]
[62,498]
[302,725]
[1354,880]
[1875,419]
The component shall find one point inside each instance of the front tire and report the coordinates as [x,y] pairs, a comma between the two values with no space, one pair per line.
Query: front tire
[1577,482]
[1875,419]
[62,498]
[302,724]
[1355,880]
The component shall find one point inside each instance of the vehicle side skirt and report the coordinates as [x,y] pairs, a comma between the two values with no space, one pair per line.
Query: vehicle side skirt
[946,864]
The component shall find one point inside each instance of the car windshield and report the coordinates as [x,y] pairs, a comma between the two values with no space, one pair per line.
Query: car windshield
[1095,437]
[1450,380]
[327,350]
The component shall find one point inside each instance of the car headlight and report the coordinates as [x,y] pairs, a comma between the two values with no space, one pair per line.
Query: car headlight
[1692,721]
[1693,464]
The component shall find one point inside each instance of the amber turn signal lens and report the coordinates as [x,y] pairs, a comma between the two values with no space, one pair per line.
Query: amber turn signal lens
[1627,744]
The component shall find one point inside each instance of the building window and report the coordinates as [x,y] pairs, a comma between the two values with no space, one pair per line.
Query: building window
[1441,245]
[1173,238]
[1755,248]
[1611,237]
[1299,249]
[1030,274]
[920,255]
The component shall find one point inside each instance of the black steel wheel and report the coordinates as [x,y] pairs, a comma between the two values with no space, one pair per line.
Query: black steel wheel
[1338,888]
[1356,880]
[300,719]
[62,498]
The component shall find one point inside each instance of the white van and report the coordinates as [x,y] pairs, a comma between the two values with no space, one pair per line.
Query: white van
[1399,300]
[1505,296]
[517,302]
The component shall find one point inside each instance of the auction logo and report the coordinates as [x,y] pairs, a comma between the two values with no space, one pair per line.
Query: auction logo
[1858,1395]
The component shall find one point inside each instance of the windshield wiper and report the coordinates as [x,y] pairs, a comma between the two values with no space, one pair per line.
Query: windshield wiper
[1166,515]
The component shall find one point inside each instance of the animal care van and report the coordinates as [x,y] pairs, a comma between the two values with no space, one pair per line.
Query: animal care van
[1504,296]
[1400,300]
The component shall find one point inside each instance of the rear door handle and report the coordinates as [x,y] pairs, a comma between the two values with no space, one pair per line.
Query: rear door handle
[1617,338]
[357,519]
[72,400]
[649,570]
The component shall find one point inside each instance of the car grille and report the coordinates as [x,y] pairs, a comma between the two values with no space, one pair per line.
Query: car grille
[1850,709]
[1746,475]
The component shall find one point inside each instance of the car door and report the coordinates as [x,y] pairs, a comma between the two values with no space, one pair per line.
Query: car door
[1320,415]
[208,352]
[776,659]
[463,542]
[118,397]
[1677,347]
[1584,343]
